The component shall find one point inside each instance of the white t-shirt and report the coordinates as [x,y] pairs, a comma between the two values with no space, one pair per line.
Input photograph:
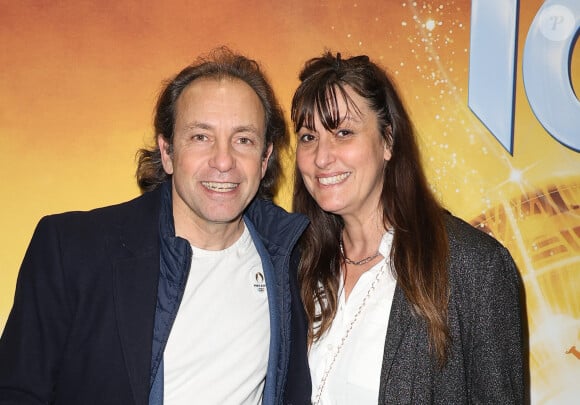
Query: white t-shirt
[355,376]
[217,351]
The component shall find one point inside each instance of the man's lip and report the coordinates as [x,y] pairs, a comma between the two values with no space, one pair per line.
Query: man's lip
[220,186]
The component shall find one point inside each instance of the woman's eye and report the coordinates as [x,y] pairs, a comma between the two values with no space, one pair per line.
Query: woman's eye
[306,138]
[343,132]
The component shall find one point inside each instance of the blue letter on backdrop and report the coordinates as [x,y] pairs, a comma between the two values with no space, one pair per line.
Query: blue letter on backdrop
[492,66]
[546,70]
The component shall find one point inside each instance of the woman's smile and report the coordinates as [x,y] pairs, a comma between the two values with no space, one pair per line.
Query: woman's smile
[332,180]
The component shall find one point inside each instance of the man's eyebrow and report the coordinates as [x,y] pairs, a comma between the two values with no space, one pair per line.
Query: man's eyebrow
[197,125]
[246,128]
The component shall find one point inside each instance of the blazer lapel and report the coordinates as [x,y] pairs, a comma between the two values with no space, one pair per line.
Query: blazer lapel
[135,259]
[399,322]
[135,292]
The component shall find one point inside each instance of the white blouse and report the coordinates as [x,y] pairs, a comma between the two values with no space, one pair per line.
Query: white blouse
[353,369]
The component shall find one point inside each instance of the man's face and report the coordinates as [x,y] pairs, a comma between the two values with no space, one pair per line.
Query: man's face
[218,157]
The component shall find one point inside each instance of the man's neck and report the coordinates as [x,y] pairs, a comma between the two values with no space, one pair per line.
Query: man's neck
[210,236]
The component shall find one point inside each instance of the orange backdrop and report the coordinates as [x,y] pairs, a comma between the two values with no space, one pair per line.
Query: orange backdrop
[78,82]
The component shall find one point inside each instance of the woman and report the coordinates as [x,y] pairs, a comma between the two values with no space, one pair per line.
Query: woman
[406,303]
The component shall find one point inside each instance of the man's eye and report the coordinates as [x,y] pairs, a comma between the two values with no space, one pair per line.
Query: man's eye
[199,137]
[245,141]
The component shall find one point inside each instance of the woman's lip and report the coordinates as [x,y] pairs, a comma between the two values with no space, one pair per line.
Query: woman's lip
[332,180]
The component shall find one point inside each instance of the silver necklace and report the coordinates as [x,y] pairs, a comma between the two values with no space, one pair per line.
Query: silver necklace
[347,333]
[356,262]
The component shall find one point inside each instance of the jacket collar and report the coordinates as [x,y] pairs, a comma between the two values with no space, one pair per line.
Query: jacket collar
[278,230]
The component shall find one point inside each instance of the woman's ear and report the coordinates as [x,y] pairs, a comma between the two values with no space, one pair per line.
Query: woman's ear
[388,143]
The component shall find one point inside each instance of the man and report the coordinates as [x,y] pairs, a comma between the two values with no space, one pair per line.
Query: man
[183,295]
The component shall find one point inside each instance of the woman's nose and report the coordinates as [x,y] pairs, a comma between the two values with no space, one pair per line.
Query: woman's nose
[324,152]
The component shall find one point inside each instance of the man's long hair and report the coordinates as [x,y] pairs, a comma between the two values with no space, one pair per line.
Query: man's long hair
[218,64]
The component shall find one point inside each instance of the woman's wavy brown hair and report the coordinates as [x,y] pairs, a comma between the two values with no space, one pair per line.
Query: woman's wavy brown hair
[419,255]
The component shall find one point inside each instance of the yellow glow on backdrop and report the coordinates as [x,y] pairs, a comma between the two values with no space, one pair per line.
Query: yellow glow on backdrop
[79,81]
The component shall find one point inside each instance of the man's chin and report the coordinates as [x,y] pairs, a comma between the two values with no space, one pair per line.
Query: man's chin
[223,216]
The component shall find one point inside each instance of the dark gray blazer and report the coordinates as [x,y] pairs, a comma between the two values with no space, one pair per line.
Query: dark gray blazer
[486,357]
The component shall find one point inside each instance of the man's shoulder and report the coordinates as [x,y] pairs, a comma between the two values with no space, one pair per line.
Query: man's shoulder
[139,207]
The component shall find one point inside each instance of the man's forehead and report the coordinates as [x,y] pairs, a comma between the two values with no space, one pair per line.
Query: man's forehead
[208,89]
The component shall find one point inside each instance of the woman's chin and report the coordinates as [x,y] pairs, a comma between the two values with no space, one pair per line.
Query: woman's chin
[332,207]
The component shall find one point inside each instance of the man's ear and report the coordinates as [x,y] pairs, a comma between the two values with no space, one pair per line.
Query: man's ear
[266,158]
[166,150]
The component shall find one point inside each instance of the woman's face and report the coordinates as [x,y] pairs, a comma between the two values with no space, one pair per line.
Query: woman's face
[343,168]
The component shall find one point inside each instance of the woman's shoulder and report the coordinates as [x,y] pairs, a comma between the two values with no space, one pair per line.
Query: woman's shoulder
[477,257]
[464,236]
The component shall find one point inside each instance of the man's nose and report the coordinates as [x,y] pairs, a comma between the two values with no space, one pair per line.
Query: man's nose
[222,157]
